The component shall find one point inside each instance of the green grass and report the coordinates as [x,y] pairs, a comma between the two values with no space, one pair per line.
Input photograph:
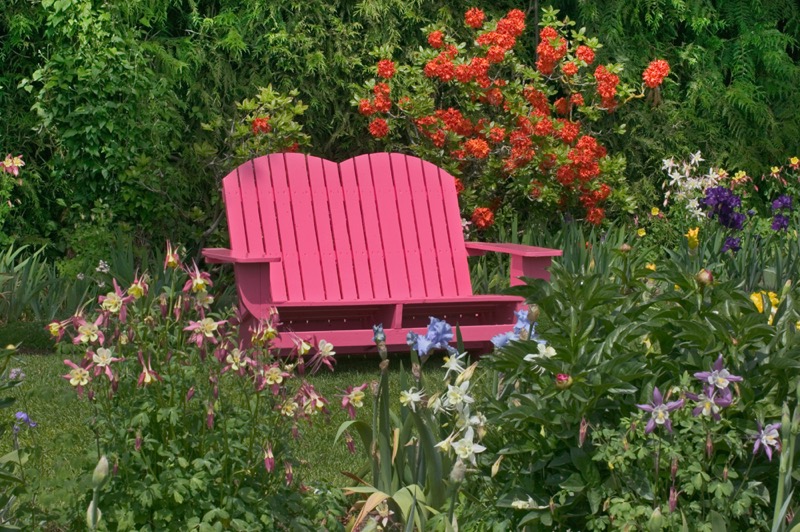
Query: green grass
[66,445]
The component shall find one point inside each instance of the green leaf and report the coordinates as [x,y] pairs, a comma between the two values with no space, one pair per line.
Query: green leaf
[718,522]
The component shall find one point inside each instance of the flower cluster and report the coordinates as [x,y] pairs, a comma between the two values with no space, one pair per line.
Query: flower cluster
[721,203]
[685,186]
[781,206]
[438,336]
[523,329]
[606,86]
[552,48]
[655,73]
[483,217]
[261,125]
[12,165]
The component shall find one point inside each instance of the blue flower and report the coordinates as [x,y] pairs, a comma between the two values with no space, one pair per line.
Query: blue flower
[22,417]
[721,203]
[502,340]
[423,345]
[732,243]
[780,222]
[378,334]
[411,338]
[782,202]
[523,324]
[440,332]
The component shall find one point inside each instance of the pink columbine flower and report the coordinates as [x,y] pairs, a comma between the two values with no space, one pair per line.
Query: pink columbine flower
[57,329]
[116,302]
[350,443]
[272,376]
[353,398]
[147,375]
[310,400]
[171,260]
[324,355]
[203,330]
[269,459]
[78,376]
[101,360]
[139,288]
[198,281]
[12,164]
[287,467]
[88,333]
[210,416]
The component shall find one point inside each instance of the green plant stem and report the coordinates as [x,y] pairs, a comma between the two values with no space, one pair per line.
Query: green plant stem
[744,478]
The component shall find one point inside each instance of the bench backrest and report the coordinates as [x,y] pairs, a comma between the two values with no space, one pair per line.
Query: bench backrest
[383,226]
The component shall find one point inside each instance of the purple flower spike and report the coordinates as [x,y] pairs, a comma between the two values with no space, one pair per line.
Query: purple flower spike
[711,401]
[659,411]
[718,376]
[769,437]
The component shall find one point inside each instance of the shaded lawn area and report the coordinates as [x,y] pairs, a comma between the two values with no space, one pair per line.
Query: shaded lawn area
[65,446]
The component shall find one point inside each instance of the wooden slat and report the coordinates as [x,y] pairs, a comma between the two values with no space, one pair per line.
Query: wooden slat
[441,236]
[305,230]
[341,233]
[408,226]
[372,230]
[233,209]
[393,247]
[286,221]
[252,216]
[452,214]
[322,223]
[355,225]
[422,217]
[269,221]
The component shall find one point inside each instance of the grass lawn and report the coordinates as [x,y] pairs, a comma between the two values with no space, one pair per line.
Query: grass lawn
[66,445]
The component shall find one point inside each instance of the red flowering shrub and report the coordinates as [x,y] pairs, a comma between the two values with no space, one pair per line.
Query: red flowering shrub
[517,140]
[261,125]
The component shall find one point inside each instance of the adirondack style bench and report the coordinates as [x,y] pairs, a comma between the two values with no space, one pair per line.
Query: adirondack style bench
[337,248]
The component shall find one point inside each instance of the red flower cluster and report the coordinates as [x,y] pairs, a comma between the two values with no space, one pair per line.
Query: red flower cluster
[497,134]
[584,157]
[436,39]
[378,128]
[478,148]
[606,86]
[474,18]
[504,37]
[552,48]
[585,54]
[569,131]
[537,99]
[261,125]
[459,185]
[442,66]
[483,217]
[655,73]
[569,69]
[381,104]
[386,68]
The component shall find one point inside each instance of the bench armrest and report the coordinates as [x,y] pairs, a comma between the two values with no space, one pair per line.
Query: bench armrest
[520,250]
[526,261]
[218,255]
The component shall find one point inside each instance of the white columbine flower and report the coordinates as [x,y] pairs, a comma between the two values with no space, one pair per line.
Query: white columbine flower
[457,394]
[466,448]
[453,363]
[410,398]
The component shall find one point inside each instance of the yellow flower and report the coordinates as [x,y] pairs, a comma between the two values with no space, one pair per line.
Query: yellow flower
[773,299]
[655,211]
[651,267]
[775,170]
[755,297]
[641,232]
[692,238]
[794,161]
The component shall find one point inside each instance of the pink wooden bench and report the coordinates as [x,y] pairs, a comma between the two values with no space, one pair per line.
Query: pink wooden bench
[337,248]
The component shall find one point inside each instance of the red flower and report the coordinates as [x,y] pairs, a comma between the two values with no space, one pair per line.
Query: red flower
[383,103]
[381,89]
[436,39]
[496,54]
[459,185]
[512,24]
[261,125]
[293,148]
[494,96]
[595,215]
[584,53]
[478,148]
[497,134]
[482,217]
[569,69]
[474,18]
[386,68]
[378,128]
[655,73]
[364,107]
[562,106]
[576,99]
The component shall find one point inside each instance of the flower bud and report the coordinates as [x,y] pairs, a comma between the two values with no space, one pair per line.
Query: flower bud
[269,459]
[458,472]
[709,446]
[210,416]
[190,394]
[496,465]
[704,277]
[673,470]
[656,522]
[350,443]
[673,499]
[287,467]
[582,432]
[416,371]
[533,313]
[100,475]
[725,473]
[93,515]
[137,443]
[625,248]
[563,381]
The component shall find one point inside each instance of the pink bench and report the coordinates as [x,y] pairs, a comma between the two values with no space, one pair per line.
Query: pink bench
[337,248]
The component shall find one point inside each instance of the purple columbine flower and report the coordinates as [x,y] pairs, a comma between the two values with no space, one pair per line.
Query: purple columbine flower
[711,401]
[782,202]
[780,222]
[732,243]
[769,437]
[659,411]
[718,376]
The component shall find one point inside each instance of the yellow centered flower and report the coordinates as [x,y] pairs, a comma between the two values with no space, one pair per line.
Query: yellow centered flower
[775,169]
[136,290]
[204,299]
[199,284]
[103,357]
[55,328]
[273,375]
[655,211]
[78,377]
[234,358]
[692,238]
[88,332]
[356,398]
[112,302]
[651,266]
[288,409]
[303,348]
[641,232]
[794,160]
[207,327]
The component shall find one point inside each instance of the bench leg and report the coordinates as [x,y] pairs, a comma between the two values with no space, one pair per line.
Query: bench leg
[534,267]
